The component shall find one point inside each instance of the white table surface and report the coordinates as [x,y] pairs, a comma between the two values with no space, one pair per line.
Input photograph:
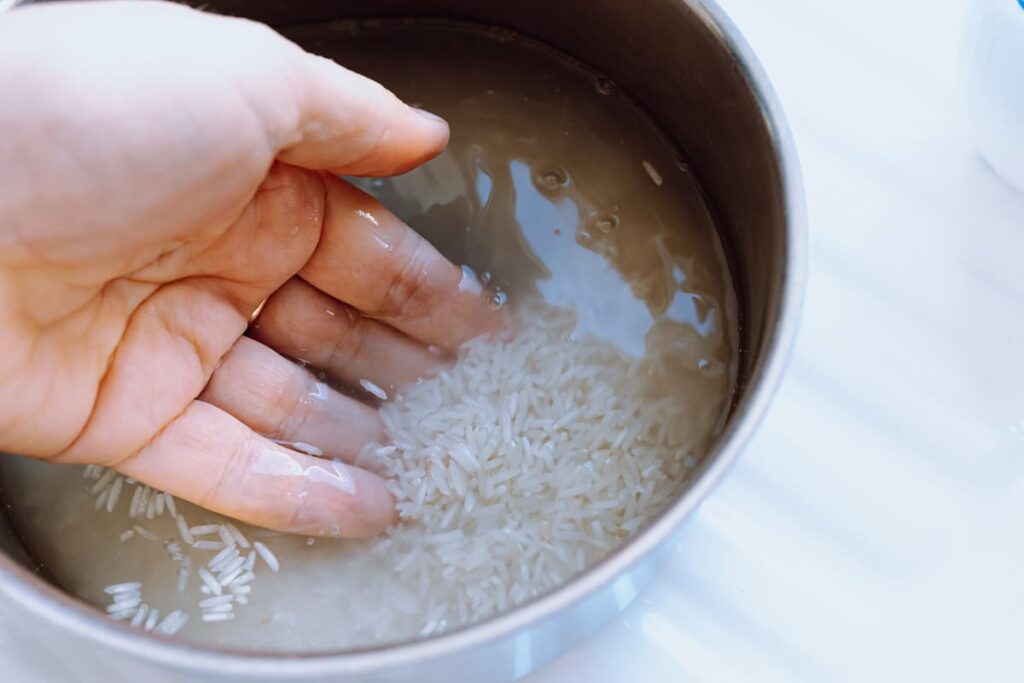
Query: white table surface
[874,528]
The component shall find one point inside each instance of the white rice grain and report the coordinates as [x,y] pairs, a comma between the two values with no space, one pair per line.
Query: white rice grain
[238,563]
[183,574]
[226,537]
[229,576]
[372,388]
[240,538]
[216,600]
[267,556]
[218,616]
[301,446]
[172,623]
[133,507]
[209,581]
[242,580]
[147,492]
[218,609]
[171,505]
[652,172]
[103,482]
[208,545]
[225,555]
[183,529]
[101,500]
[140,615]
[125,601]
[124,614]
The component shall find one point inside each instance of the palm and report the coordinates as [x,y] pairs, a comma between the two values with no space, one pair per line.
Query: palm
[112,334]
[157,203]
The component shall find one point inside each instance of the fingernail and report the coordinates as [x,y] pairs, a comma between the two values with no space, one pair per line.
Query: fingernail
[429,115]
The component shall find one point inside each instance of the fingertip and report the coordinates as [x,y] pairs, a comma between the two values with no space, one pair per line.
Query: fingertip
[351,125]
[378,510]
[377,264]
[212,459]
[366,510]
[430,116]
[414,138]
[326,497]
[435,129]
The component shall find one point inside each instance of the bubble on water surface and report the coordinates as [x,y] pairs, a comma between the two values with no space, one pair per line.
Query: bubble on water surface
[603,221]
[551,179]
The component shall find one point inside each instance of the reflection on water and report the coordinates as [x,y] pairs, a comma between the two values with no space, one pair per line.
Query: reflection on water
[555,187]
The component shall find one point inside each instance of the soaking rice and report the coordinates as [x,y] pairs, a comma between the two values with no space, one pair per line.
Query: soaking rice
[513,470]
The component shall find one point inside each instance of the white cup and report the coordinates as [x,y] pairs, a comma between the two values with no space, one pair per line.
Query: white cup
[992,69]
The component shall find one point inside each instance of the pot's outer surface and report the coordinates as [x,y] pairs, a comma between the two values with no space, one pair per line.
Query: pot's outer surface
[685,63]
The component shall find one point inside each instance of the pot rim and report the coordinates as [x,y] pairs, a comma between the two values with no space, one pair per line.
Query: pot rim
[64,612]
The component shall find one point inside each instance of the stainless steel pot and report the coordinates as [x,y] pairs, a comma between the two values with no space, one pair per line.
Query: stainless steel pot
[689,67]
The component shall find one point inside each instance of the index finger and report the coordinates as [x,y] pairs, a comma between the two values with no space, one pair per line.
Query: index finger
[344,122]
[374,262]
[210,458]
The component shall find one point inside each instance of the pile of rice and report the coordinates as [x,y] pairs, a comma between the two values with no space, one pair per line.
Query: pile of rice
[526,462]
[514,470]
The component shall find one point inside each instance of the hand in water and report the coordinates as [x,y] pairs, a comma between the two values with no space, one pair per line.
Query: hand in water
[162,173]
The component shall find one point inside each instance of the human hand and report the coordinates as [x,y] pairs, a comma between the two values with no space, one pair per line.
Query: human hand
[162,173]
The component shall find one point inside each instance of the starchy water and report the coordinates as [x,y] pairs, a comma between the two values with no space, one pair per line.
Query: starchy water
[583,219]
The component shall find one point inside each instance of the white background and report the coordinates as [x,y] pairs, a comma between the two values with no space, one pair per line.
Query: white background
[874,529]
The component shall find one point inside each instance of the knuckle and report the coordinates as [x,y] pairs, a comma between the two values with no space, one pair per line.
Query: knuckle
[376,129]
[350,337]
[230,479]
[295,404]
[408,294]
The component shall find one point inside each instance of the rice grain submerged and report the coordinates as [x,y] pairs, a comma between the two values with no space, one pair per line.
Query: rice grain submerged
[513,470]
[506,464]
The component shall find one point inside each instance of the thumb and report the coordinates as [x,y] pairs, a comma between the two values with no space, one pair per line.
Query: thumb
[351,125]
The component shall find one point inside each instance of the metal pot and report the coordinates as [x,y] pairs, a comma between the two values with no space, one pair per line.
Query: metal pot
[688,66]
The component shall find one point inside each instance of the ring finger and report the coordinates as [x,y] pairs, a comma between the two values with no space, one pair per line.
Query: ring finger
[285,402]
[302,322]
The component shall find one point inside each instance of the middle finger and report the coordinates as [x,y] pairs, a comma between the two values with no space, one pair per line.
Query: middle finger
[300,321]
[371,260]
[280,400]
